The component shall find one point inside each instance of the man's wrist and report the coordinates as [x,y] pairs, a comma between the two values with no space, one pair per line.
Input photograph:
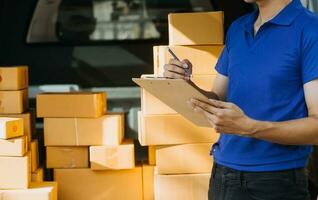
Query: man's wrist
[257,127]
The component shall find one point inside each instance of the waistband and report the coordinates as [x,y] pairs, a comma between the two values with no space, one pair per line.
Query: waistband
[217,168]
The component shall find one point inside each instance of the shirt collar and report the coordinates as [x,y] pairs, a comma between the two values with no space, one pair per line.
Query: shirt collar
[283,18]
[288,14]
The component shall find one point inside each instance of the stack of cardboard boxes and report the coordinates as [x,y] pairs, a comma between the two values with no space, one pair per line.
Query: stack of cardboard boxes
[18,154]
[86,147]
[178,148]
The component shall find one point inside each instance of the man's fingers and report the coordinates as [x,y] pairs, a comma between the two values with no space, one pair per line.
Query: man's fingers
[176,63]
[173,68]
[213,118]
[220,104]
[173,75]
[206,106]
[219,128]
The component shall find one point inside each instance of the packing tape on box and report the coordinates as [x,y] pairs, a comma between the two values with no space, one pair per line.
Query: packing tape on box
[112,157]
[76,131]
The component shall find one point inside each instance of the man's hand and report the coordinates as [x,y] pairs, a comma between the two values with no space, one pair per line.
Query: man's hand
[177,70]
[225,117]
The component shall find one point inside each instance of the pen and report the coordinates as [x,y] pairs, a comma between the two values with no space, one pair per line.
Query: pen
[188,70]
[173,54]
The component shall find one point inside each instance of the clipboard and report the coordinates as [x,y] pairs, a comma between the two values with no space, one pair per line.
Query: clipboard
[175,93]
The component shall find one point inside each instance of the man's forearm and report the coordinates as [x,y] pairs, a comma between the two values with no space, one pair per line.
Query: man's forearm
[296,132]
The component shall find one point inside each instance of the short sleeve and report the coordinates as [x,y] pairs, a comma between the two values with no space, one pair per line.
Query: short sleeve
[223,63]
[309,58]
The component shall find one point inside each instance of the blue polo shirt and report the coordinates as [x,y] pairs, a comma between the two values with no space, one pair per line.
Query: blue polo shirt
[266,77]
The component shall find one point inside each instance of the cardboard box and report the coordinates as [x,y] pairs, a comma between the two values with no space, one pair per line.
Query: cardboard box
[67,157]
[26,122]
[182,187]
[13,102]
[203,58]
[38,175]
[34,155]
[105,130]
[152,155]
[151,105]
[148,182]
[171,129]
[37,191]
[13,78]
[15,172]
[172,159]
[13,147]
[198,28]
[79,104]
[11,127]
[84,184]
[113,157]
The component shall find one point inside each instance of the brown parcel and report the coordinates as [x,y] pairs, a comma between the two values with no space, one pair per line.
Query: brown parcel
[13,78]
[11,127]
[84,184]
[151,105]
[148,182]
[105,130]
[200,28]
[79,104]
[203,58]
[26,122]
[34,155]
[113,156]
[15,172]
[182,187]
[37,191]
[13,102]
[38,175]
[67,157]
[152,155]
[184,159]
[13,147]
[171,129]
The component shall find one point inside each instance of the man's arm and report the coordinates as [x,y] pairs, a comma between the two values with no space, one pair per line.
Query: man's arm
[303,131]
[220,86]
[229,118]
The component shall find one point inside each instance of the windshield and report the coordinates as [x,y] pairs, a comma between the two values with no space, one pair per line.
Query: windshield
[105,20]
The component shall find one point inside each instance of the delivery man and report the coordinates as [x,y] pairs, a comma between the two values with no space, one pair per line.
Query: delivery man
[267,112]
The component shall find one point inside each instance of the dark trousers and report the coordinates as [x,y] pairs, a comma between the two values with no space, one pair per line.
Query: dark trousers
[313,190]
[229,184]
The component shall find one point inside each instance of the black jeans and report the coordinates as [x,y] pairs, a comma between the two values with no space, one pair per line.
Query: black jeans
[229,184]
[313,190]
